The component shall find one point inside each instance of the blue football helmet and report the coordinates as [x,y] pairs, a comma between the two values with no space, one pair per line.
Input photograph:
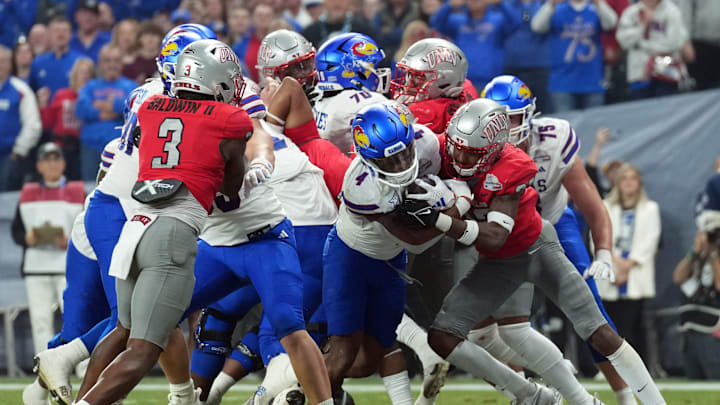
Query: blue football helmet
[518,100]
[383,137]
[173,44]
[349,61]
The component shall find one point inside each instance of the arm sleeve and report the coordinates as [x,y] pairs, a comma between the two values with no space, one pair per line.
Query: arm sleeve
[673,40]
[630,30]
[441,20]
[608,16]
[541,22]
[84,108]
[18,228]
[31,125]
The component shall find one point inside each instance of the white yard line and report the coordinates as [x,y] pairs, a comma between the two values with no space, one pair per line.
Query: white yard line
[469,387]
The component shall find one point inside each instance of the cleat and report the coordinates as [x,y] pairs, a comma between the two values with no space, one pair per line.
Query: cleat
[34,394]
[289,396]
[433,380]
[542,396]
[193,399]
[54,371]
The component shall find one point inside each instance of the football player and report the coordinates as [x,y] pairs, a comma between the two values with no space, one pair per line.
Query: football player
[506,229]
[349,80]
[109,207]
[182,159]
[431,79]
[554,146]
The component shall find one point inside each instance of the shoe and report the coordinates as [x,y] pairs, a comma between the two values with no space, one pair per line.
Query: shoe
[542,396]
[34,394]
[55,370]
[344,399]
[433,380]
[193,399]
[289,396]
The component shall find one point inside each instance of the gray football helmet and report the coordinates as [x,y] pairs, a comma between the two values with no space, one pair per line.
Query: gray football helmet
[285,53]
[476,135]
[431,68]
[209,67]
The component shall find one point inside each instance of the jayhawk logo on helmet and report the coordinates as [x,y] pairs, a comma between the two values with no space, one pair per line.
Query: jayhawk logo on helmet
[523,91]
[364,49]
[361,138]
[171,48]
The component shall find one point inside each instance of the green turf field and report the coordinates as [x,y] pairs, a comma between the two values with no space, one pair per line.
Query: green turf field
[152,391]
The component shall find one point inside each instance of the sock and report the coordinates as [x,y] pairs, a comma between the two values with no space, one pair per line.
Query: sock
[412,335]
[398,388]
[489,339]
[632,369]
[185,389]
[220,386]
[625,397]
[75,351]
[481,364]
[326,402]
[93,336]
[544,358]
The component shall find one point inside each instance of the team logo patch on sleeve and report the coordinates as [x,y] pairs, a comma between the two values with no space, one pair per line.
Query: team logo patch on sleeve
[492,183]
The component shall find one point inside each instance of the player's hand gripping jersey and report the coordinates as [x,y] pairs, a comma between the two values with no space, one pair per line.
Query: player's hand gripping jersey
[334,114]
[554,147]
[510,174]
[436,113]
[181,140]
[363,194]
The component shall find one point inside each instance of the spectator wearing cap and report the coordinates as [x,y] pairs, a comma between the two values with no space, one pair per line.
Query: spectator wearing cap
[337,18]
[390,23]
[59,117]
[315,9]
[527,53]
[296,11]
[99,107]
[577,72]
[51,70]
[20,120]
[42,224]
[143,66]
[647,30]
[88,39]
[180,16]
[479,28]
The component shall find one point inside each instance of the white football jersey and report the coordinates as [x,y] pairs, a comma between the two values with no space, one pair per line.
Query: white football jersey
[120,158]
[333,115]
[362,194]
[554,147]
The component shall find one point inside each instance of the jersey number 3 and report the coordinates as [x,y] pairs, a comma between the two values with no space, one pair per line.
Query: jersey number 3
[170,129]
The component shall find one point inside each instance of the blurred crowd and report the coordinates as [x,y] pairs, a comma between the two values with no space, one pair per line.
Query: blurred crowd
[67,66]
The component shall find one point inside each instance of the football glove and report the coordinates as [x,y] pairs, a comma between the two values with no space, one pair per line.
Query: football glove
[259,172]
[416,213]
[602,267]
[437,195]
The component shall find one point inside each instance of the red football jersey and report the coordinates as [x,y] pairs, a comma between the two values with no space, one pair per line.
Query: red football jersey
[510,173]
[435,114]
[181,140]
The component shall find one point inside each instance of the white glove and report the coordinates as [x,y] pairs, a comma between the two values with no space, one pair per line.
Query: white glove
[463,195]
[259,172]
[602,267]
[438,195]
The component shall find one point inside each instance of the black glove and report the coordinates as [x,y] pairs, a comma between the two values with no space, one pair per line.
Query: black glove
[416,213]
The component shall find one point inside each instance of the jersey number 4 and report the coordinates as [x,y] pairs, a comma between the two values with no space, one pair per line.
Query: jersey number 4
[170,129]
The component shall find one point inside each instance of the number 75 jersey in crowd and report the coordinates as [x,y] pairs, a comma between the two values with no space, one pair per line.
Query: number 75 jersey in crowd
[180,139]
[554,147]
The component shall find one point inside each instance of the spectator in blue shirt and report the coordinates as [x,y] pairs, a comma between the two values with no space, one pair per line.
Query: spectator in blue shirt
[527,53]
[239,30]
[99,107]
[51,70]
[577,71]
[88,39]
[8,24]
[479,28]
[21,125]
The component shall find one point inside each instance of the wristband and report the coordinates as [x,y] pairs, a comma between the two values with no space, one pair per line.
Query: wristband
[501,219]
[463,205]
[471,233]
[443,223]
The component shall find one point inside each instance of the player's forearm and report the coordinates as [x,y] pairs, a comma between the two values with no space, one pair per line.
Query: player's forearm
[260,145]
[484,235]
[683,271]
